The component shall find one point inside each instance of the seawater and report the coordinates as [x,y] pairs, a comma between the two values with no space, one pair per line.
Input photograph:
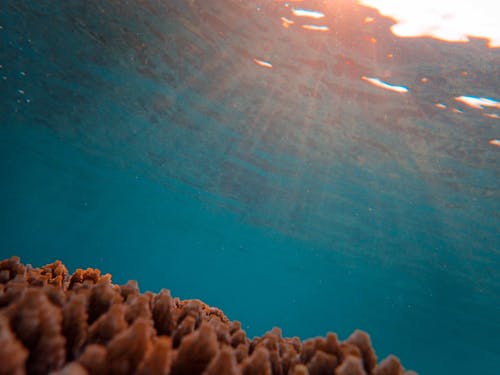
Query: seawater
[61,203]
[168,172]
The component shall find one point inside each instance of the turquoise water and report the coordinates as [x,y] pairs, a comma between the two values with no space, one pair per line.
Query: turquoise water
[145,141]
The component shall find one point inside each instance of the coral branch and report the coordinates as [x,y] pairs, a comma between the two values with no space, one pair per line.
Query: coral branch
[54,322]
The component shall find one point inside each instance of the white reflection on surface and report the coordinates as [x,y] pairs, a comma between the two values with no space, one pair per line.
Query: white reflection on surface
[448,20]
[316,27]
[307,13]
[265,64]
[384,85]
[478,102]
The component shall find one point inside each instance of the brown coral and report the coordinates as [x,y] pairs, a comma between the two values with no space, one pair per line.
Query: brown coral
[54,322]
[196,351]
[12,353]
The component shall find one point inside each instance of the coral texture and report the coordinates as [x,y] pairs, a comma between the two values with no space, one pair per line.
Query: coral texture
[52,322]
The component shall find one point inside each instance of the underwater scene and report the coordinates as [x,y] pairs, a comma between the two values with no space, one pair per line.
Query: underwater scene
[317,166]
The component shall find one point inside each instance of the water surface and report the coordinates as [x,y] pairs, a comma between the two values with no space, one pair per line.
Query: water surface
[320,174]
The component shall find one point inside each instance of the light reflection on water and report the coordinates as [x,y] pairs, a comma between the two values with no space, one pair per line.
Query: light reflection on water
[445,20]
[358,143]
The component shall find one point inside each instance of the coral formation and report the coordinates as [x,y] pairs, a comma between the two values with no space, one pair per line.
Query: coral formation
[52,322]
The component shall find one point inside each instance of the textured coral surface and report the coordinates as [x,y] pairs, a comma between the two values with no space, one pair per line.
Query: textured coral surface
[54,322]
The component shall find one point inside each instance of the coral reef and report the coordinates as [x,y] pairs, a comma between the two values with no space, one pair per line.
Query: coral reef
[52,322]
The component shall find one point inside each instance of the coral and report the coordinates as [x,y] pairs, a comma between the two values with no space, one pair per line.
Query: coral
[391,366]
[37,324]
[322,363]
[93,359]
[351,366]
[57,323]
[196,351]
[12,353]
[75,324]
[258,363]
[362,341]
[108,325]
[127,350]
[159,359]
[224,363]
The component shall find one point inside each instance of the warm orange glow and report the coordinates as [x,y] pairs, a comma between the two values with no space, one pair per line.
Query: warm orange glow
[265,64]
[495,142]
[424,80]
[448,20]
[286,22]
[369,19]
[440,105]
[492,115]
[373,40]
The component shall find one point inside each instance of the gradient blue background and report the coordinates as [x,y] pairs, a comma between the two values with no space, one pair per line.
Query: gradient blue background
[176,198]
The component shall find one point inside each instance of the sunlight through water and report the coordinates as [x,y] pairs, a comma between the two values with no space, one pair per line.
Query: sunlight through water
[448,20]
[316,165]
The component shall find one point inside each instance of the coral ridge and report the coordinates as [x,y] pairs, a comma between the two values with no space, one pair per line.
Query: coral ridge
[52,322]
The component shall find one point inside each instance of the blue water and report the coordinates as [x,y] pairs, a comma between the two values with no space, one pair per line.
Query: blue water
[122,149]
